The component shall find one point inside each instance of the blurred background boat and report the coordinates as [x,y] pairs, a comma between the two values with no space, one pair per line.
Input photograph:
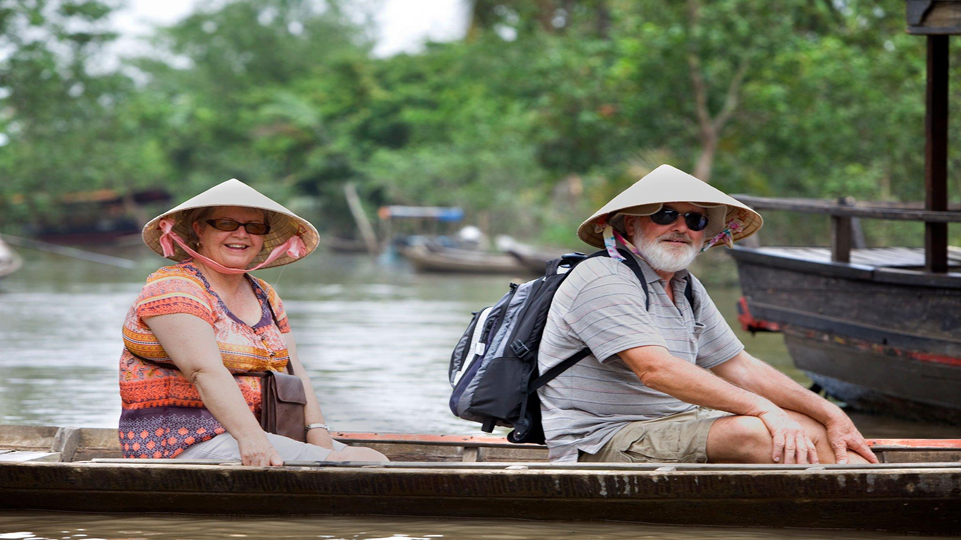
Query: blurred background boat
[433,257]
[103,216]
[10,261]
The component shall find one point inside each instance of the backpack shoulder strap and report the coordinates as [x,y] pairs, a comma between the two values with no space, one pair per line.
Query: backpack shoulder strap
[631,263]
[552,373]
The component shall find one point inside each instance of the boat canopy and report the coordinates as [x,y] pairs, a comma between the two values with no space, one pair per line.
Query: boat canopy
[439,213]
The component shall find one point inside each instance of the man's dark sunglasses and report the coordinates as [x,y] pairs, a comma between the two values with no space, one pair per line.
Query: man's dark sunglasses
[231,225]
[695,221]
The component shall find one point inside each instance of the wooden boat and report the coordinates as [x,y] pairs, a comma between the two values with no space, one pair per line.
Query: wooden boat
[534,259]
[10,261]
[435,258]
[917,488]
[103,216]
[877,332]
[877,328]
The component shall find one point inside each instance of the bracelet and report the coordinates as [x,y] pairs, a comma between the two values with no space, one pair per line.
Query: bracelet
[309,427]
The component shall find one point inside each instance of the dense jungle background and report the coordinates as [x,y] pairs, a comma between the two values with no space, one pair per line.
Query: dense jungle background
[543,111]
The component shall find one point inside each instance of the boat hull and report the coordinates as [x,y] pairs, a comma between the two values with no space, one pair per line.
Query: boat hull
[906,500]
[881,340]
[917,488]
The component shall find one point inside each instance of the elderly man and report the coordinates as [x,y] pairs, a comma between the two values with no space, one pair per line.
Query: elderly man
[668,381]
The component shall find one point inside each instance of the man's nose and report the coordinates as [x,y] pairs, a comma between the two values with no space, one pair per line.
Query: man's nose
[680,225]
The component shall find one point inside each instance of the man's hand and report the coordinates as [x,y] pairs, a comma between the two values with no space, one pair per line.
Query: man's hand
[791,443]
[256,451]
[842,435]
[320,437]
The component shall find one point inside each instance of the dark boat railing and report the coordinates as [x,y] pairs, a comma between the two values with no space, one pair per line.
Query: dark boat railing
[844,210]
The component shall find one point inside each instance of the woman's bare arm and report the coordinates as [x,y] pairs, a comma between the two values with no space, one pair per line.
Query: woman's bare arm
[312,412]
[191,345]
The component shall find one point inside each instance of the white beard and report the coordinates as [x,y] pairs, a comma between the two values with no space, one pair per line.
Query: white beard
[667,257]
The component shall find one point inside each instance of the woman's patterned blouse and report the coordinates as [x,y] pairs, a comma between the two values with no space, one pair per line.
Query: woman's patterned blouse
[162,411]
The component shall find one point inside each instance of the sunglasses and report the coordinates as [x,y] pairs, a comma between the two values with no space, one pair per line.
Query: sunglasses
[230,225]
[695,221]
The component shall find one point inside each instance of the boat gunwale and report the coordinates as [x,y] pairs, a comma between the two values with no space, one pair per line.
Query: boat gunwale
[522,466]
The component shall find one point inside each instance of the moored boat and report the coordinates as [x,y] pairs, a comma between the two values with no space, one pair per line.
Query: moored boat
[878,332]
[877,328]
[917,488]
[435,258]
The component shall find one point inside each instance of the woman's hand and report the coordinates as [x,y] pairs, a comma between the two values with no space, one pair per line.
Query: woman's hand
[256,451]
[320,437]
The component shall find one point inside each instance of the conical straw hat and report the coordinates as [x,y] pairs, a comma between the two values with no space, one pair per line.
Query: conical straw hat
[666,184]
[283,222]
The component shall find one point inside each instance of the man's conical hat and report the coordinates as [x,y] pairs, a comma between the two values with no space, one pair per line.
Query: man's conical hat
[666,184]
[283,222]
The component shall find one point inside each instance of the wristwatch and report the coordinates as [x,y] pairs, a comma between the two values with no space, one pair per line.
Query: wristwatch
[309,427]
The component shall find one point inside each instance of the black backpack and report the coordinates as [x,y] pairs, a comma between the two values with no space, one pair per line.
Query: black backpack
[493,368]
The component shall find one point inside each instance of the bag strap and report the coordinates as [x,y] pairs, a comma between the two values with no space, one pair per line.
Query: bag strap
[552,373]
[631,263]
[290,364]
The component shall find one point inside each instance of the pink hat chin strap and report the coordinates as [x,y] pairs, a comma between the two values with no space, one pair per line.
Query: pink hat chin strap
[294,246]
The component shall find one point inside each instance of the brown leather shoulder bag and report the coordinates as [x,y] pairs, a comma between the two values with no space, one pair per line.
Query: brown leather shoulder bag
[282,402]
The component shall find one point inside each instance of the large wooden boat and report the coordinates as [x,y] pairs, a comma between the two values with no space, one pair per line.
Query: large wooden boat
[877,328]
[917,488]
[870,326]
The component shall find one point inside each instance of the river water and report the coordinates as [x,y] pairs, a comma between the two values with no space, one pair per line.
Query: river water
[376,340]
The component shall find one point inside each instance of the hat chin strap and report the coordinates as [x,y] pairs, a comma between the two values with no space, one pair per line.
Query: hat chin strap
[294,246]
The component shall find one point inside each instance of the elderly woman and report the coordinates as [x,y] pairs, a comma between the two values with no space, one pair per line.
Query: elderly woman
[200,325]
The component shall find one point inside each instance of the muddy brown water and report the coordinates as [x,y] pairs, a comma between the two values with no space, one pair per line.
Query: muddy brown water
[376,340]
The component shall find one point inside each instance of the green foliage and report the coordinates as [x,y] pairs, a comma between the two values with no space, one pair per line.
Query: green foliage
[541,114]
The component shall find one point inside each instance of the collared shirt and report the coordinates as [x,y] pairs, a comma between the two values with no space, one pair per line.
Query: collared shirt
[601,305]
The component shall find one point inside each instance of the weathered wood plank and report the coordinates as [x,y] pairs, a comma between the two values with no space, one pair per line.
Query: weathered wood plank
[858,210]
[23,456]
[927,17]
[896,499]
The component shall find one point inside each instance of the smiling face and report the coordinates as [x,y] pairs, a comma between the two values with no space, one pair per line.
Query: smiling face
[233,249]
[667,248]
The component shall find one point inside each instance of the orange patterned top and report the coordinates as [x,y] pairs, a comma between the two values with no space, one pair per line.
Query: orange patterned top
[162,411]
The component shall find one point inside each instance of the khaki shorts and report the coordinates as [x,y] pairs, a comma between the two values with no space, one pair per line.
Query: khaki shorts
[679,438]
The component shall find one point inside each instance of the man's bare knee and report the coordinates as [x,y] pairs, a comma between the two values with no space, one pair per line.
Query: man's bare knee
[814,429]
[817,433]
[739,439]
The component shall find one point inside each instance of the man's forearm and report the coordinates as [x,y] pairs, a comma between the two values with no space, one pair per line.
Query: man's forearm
[692,384]
[761,378]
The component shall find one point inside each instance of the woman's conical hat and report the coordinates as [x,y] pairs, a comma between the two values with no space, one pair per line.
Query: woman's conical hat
[666,184]
[283,222]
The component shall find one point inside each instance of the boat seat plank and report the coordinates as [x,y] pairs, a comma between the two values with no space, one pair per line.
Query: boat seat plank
[20,455]
[891,257]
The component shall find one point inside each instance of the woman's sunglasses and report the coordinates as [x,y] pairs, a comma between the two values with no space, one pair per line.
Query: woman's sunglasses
[230,225]
[695,221]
